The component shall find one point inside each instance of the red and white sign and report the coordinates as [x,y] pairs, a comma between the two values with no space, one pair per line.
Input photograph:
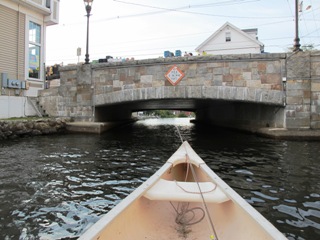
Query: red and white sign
[174,75]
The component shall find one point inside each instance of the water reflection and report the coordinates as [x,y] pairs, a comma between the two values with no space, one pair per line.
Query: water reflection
[55,187]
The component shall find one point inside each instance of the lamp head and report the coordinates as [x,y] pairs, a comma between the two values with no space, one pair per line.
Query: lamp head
[88,5]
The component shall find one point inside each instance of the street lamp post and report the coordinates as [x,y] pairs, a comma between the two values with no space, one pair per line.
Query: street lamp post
[88,5]
[296,46]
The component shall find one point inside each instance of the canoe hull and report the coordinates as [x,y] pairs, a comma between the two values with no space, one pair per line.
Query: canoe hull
[139,217]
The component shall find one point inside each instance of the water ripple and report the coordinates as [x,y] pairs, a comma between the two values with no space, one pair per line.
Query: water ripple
[57,186]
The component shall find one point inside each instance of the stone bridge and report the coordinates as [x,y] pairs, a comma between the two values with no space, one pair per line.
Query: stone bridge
[247,91]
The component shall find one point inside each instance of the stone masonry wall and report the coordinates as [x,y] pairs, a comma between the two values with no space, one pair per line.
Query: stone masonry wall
[248,77]
[315,90]
[73,99]
[291,81]
[303,90]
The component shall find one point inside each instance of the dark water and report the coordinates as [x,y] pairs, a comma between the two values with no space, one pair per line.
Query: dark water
[54,187]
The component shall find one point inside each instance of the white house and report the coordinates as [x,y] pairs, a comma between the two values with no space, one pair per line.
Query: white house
[23,26]
[229,39]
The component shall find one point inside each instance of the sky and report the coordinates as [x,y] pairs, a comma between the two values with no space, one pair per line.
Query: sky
[146,28]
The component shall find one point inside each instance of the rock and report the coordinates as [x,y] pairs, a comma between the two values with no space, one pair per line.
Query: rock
[13,129]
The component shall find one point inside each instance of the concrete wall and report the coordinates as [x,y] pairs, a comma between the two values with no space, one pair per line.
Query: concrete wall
[13,106]
[244,116]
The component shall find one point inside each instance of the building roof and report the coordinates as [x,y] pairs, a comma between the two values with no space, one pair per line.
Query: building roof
[244,32]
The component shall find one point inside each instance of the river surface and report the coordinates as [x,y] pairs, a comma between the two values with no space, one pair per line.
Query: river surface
[55,187]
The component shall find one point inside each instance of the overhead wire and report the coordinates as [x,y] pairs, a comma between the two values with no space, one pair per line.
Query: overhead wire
[315,22]
[163,9]
[302,18]
[154,51]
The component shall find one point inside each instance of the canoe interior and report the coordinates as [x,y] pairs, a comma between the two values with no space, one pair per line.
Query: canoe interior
[153,219]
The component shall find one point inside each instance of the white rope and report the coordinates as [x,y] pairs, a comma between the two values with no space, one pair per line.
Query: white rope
[214,236]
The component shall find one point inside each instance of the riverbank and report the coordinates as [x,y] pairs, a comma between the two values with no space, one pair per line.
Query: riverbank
[14,128]
[276,133]
[10,129]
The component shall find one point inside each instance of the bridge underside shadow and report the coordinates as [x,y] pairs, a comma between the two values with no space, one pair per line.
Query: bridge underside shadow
[234,114]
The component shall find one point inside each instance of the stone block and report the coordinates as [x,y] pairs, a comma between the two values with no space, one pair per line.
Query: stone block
[217,81]
[239,94]
[194,92]
[298,65]
[315,68]
[297,123]
[294,93]
[157,83]
[315,125]
[258,95]
[146,80]
[315,86]
[151,70]
[247,76]
[315,97]
[250,94]
[191,73]
[217,71]
[202,69]
[221,92]
[290,113]
[315,109]
[229,93]
[128,86]
[273,56]
[273,67]
[298,85]
[278,87]
[210,92]
[294,100]
[262,67]
[215,65]
[265,86]
[239,83]
[315,117]
[302,114]
[117,84]
[236,71]
[84,74]
[271,78]
[240,65]
[226,70]
[253,83]
[235,56]
[227,78]
[267,96]
[170,92]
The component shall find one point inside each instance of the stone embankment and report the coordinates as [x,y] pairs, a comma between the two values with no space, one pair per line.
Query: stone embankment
[10,129]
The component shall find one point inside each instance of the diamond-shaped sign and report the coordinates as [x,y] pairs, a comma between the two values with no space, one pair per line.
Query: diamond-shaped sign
[174,75]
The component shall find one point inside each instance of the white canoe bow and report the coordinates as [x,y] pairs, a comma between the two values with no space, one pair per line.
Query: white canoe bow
[184,199]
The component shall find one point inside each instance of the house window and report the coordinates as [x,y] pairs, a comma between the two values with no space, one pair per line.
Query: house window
[228,36]
[34,50]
